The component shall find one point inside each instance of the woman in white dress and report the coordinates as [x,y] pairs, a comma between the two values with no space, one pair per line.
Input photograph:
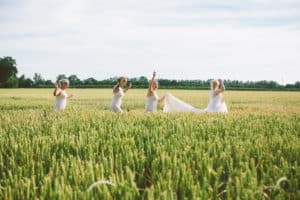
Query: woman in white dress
[61,94]
[216,101]
[118,93]
[152,97]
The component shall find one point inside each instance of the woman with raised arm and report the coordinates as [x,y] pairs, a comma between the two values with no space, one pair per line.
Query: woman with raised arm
[152,97]
[61,94]
[118,93]
[216,101]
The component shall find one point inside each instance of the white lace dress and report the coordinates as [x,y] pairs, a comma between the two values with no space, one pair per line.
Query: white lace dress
[151,104]
[116,102]
[61,101]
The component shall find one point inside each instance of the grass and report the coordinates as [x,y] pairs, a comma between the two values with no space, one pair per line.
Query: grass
[251,153]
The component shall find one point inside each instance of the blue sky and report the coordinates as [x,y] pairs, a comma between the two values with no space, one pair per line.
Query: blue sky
[181,39]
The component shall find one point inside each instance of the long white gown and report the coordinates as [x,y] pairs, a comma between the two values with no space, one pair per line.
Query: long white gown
[61,101]
[151,104]
[173,104]
[116,102]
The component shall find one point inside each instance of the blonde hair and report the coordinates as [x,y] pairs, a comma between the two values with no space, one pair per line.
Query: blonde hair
[121,78]
[65,81]
[214,84]
[155,82]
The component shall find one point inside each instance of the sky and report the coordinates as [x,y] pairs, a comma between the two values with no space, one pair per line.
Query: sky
[180,39]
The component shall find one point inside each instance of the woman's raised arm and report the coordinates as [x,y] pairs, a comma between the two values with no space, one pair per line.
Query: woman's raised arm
[151,82]
[116,88]
[128,87]
[56,91]
[222,87]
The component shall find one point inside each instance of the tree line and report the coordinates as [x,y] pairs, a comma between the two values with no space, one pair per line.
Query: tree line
[9,79]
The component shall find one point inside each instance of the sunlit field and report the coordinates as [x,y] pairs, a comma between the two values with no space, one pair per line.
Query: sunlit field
[87,152]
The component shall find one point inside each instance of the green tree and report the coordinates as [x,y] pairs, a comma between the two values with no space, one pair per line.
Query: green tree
[297,84]
[8,71]
[25,82]
[49,83]
[74,80]
[61,76]
[38,80]
[12,82]
[90,81]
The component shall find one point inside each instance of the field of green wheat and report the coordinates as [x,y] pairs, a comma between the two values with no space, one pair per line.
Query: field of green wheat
[87,152]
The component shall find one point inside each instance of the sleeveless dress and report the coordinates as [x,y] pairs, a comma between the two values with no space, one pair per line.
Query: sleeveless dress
[116,102]
[61,101]
[216,104]
[151,104]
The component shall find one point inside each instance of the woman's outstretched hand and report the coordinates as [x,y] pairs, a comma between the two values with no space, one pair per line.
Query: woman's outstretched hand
[221,81]
[56,84]
[56,90]
[161,99]
[129,86]
[154,74]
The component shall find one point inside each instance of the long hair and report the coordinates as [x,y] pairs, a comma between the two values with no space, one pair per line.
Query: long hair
[121,78]
[213,82]
[155,82]
[65,81]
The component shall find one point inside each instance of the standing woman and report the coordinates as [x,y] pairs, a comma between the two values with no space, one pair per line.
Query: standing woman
[118,94]
[61,94]
[216,99]
[152,97]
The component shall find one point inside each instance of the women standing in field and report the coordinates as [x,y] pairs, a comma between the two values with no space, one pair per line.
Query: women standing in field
[216,102]
[152,97]
[118,94]
[61,94]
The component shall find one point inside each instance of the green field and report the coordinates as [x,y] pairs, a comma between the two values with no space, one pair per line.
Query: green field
[253,152]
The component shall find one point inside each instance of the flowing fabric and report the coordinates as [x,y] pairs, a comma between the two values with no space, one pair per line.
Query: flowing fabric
[173,104]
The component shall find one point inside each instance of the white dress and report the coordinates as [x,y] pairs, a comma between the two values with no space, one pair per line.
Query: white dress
[151,104]
[61,101]
[116,102]
[216,104]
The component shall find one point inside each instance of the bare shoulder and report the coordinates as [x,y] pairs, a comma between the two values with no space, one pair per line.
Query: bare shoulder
[150,92]
[57,92]
[116,89]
